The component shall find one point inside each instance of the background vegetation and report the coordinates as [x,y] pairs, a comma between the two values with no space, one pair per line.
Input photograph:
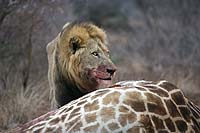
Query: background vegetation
[149,40]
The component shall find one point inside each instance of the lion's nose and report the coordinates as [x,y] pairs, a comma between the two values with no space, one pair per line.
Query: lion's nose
[111,71]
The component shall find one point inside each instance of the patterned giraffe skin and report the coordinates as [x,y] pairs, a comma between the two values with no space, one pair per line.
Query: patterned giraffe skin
[127,106]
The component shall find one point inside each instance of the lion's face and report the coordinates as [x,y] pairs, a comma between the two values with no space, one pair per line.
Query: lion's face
[84,57]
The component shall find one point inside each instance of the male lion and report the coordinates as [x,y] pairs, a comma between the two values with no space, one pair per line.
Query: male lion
[78,62]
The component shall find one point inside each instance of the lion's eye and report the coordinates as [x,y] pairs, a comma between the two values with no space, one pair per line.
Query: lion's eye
[95,54]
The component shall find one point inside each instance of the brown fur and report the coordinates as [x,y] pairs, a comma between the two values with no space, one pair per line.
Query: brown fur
[78,62]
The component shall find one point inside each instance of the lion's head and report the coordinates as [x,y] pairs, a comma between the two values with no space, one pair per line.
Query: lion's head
[80,58]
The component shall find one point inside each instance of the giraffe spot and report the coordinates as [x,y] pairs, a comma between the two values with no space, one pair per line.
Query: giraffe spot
[156,108]
[48,129]
[158,123]
[195,128]
[91,106]
[140,88]
[146,122]
[63,117]
[76,110]
[134,129]
[98,94]
[155,104]
[114,86]
[178,98]
[76,120]
[163,131]
[68,109]
[112,98]
[168,86]
[77,126]
[195,114]
[38,130]
[123,109]
[104,130]
[101,91]
[62,111]
[74,113]
[92,128]
[145,83]
[185,113]
[157,90]
[84,97]
[172,108]
[135,101]
[90,117]
[125,113]
[125,118]
[170,124]
[37,125]
[196,123]
[194,109]
[54,121]
[113,126]
[181,125]
[59,130]
[107,113]
[81,102]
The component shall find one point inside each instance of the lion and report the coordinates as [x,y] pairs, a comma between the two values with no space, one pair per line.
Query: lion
[79,62]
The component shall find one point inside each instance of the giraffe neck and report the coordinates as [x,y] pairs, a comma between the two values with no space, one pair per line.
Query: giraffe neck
[195,112]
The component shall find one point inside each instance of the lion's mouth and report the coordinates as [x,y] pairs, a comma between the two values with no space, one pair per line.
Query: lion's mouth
[102,75]
[103,78]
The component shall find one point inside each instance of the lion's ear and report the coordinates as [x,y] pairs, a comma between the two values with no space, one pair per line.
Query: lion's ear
[75,43]
[64,28]
[66,25]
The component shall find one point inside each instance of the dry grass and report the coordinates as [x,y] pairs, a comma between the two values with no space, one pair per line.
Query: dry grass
[19,106]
